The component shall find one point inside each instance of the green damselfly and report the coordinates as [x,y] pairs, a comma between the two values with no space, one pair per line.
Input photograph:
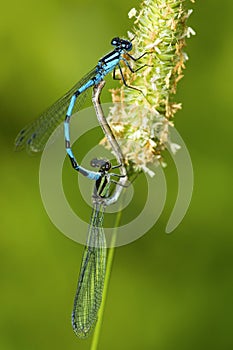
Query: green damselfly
[92,273]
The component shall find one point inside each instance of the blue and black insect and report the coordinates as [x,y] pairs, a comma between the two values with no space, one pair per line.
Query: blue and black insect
[36,134]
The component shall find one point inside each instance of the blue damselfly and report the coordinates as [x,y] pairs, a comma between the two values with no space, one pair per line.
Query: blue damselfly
[35,135]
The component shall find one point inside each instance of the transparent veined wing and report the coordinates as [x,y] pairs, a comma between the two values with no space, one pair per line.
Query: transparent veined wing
[35,135]
[91,278]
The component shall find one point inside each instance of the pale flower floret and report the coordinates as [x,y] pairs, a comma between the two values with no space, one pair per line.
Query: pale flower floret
[190,11]
[154,45]
[136,135]
[132,13]
[190,32]
[186,57]
[148,171]
[152,143]
[174,147]
[130,35]
[118,128]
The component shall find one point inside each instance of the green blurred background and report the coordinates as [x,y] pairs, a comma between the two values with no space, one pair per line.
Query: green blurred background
[166,292]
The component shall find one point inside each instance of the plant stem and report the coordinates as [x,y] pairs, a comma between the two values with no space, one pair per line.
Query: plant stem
[96,335]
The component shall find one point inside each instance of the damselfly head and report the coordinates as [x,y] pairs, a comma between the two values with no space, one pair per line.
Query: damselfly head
[106,166]
[102,164]
[122,44]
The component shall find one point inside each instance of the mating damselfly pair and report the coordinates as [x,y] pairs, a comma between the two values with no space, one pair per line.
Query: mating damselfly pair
[34,137]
